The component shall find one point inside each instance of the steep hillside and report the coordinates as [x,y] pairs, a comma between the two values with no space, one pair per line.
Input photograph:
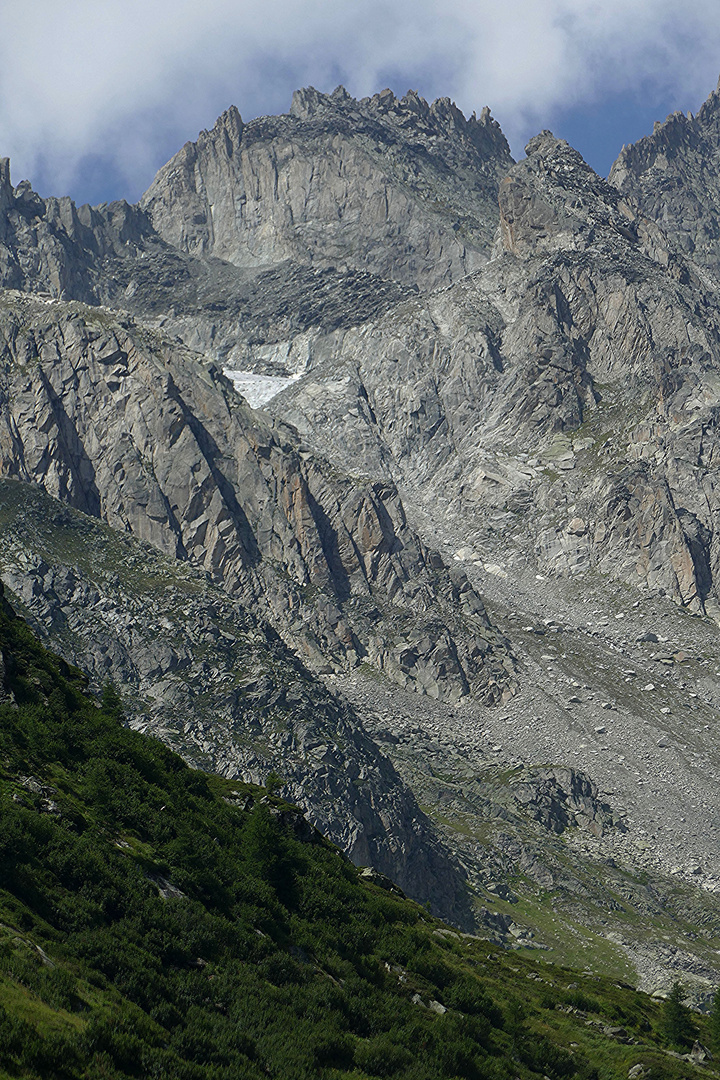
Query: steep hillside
[160,921]
[131,427]
[203,672]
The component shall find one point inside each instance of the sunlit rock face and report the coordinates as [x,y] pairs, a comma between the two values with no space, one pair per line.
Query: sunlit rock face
[396,187]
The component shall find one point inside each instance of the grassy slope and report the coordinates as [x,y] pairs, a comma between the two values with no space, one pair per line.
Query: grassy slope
[157,921]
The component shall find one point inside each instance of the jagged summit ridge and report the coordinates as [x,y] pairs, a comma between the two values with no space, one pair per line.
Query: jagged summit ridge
[552,199]
[437,116]
[325,216]
[398,187]
[51,245]
[675,176]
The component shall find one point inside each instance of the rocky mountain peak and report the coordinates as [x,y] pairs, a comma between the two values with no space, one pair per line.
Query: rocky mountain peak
[307,101]
[51,246]
[674,174]
[6,193]
[668,139]
[552,200]
[415,117]
[227,131]
[393,186]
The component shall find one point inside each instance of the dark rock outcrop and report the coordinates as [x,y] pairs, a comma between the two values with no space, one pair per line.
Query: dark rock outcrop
[561,798]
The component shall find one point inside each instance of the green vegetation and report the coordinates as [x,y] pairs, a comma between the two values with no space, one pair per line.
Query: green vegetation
[159,922]
[714,1027]
[676,1022]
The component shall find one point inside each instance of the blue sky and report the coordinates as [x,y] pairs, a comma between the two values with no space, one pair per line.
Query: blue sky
[95,97]
[599,129]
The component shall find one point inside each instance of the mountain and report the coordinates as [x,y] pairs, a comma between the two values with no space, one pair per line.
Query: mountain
[160,921]
[201,670]
[322,217]
[398,188]
[378,461]
[151,437]
[673,175]
[585,323]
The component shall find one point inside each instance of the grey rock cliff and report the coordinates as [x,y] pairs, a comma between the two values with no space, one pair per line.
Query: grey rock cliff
[134,429]
[399,188]
[567,390]
[51,246]
[673,174]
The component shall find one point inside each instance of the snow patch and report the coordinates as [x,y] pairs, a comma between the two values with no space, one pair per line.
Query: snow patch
[259,389]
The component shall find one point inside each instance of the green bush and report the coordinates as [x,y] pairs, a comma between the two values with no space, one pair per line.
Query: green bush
[382,1056]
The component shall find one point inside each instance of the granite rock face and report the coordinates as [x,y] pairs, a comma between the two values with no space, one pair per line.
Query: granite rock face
[567,390]
[51,246]
[199,669]
[399,188]
[145,435]
[673,175]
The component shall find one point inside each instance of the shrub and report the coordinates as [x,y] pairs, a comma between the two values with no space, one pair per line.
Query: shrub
[676,1023]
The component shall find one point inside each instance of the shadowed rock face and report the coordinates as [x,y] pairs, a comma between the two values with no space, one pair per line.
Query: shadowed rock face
[399,188]
[201,670]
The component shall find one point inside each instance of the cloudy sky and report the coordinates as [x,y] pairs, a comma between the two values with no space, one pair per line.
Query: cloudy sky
[94,97]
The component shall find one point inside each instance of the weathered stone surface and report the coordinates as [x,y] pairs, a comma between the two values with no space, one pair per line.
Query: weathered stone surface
[674,176]
[397,187]
[560,798]
[204,672]
[572,380]
[144,434]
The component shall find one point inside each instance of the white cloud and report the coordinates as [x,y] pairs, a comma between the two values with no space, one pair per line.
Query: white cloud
[119,85]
